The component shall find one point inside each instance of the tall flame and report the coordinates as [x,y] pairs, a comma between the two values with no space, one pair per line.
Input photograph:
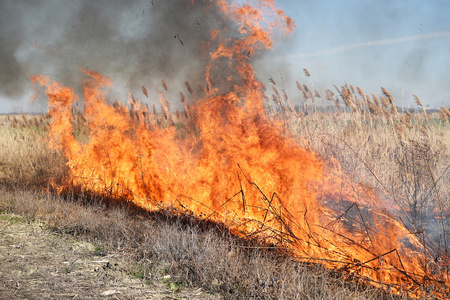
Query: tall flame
[236,166]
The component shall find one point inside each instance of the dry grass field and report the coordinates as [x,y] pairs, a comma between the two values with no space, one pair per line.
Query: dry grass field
[405,156]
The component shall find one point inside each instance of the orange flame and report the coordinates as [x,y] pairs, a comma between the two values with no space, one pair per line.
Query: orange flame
[235,166]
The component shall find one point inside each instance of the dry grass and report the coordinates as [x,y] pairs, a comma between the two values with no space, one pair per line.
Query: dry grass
[162,243]
[25,160]
[193,253]
[403,155]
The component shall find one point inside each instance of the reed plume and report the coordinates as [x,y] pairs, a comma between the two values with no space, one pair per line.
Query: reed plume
[276,100]
[164,84]
[168,105]
[360,92]
[384,102]
[277,92]
[444,114]
[317,94]
[144,91]
[163,108]
[188,86]
[388,95]
[418,102]
[445,111]
[375,100]
[328,95]
[306,72]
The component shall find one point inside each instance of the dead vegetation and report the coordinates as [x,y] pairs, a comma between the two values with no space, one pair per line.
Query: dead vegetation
[40,262]
[165,247]
[404,155]
[178,251]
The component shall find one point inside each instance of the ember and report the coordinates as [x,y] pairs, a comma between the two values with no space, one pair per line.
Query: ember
[233,164]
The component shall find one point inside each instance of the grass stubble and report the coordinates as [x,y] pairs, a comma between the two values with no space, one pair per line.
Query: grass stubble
[405,155]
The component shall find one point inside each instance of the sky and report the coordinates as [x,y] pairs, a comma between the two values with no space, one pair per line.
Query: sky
[402,45]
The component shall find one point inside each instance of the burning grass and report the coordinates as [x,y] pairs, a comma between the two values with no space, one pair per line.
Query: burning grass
[210,256]
[354,212]
[275,173]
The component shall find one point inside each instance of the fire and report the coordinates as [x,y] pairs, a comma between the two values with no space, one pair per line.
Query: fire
[235,165]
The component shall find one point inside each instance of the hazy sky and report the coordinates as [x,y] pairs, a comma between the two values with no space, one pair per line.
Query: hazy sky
[402,45]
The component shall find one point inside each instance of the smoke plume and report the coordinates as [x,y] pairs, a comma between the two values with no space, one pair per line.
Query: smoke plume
[134,42]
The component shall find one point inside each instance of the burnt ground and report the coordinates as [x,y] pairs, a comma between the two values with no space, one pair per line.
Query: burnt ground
[38,263]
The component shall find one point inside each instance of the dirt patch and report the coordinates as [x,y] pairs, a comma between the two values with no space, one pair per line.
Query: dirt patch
[38,263]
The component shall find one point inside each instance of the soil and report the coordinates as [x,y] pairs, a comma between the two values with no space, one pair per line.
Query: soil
[39,263]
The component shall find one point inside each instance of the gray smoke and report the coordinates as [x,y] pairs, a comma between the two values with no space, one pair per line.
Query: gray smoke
[134,42]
